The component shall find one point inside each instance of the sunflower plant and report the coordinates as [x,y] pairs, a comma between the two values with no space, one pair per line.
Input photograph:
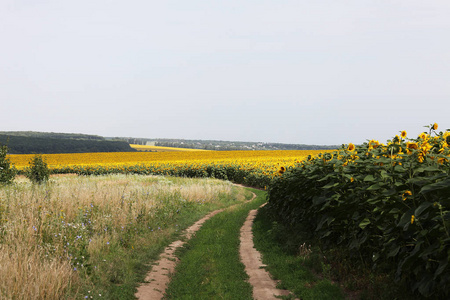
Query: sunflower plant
[388,203]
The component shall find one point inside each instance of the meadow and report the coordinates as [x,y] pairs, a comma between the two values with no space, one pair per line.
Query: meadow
[90,237]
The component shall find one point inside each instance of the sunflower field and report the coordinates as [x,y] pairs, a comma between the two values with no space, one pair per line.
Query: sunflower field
[253,168]
[388,204]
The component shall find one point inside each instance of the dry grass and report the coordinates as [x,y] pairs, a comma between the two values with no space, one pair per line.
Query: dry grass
[49,233]
[25,273]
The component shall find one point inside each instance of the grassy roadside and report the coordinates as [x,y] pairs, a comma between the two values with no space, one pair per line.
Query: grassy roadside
[210,267]
[94,237]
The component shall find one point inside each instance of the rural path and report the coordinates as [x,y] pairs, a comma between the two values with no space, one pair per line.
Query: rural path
[264,287]
[157,280]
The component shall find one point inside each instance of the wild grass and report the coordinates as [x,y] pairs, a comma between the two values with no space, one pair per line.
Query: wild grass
[77,237]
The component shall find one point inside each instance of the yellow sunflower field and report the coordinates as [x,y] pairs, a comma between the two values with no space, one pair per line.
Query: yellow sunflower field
[255,168]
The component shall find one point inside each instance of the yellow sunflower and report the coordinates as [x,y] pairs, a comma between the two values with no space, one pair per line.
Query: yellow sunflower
[406,194]
[435,126]
[412,145]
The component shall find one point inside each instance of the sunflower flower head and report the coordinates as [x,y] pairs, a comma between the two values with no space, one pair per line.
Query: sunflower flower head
[373,144]
[406,194]
[435,126]
[351,147]
[396,139]
[447,137]
[411,145]
[403,134]
[423,136]
[421,158]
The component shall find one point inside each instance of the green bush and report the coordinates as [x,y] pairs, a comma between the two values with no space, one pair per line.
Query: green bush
[388,204]
[7,172]
[38,171]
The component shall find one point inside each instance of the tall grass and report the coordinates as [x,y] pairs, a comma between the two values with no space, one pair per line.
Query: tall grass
[59,240]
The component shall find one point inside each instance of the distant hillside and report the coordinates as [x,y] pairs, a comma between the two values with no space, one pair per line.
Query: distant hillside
[44,143]
[223,145]
[54,135]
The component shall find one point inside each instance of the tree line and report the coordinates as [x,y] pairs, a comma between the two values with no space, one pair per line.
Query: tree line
[46,145]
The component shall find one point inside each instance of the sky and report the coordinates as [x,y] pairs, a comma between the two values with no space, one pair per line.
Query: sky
[288,71]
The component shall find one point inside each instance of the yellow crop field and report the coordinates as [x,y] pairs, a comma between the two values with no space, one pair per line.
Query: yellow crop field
[255,168]
[161,149]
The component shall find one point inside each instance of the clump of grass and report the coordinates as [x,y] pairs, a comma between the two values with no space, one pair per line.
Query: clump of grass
[27,273]
[90,236]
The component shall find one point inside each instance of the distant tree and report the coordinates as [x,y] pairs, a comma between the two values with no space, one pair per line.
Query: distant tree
[7,172]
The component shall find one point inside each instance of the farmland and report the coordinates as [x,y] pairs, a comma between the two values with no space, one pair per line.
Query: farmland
[382,207]
[160,148]
[254,168]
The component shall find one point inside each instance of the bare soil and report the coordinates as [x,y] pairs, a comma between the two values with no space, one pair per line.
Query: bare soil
[264,287]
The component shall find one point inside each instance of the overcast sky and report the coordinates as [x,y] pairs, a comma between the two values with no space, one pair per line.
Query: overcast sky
[310,72]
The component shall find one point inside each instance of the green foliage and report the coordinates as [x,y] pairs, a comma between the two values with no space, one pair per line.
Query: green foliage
[38,171]
[292,266]
[304,268]
[7,172]
[388,204]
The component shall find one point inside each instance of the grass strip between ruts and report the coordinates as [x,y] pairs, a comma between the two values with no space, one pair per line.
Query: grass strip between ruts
[210,267]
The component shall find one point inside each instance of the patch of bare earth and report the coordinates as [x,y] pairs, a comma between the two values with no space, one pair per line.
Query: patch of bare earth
[264,287]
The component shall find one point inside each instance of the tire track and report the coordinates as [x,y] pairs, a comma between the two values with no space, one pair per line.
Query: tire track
[264,287]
